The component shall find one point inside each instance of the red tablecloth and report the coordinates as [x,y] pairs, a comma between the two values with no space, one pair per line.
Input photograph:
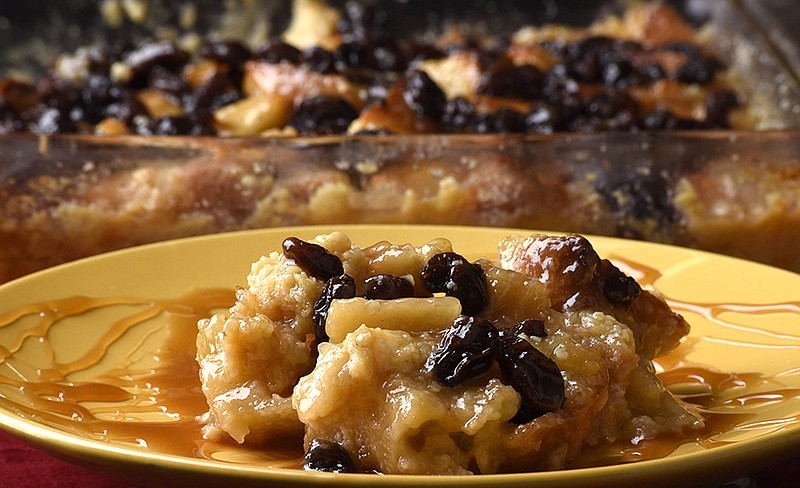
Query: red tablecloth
[22,466]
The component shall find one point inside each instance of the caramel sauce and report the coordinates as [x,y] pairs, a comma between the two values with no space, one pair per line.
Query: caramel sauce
[150,398]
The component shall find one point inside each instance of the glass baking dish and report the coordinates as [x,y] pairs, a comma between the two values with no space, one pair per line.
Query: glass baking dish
[735,192]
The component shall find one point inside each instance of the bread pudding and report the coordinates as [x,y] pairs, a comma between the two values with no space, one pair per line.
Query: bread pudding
[340,71]
[413,360]
[641,70]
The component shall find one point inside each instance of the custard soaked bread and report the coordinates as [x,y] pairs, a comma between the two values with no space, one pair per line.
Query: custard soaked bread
[414,360]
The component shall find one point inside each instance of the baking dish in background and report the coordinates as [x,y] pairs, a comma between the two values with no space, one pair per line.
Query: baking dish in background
[736,192]
[732,192]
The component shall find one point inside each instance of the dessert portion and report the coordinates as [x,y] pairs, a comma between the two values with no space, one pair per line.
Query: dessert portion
[413,360]
[344,71]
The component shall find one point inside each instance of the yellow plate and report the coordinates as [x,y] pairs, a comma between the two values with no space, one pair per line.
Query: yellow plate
[96,361]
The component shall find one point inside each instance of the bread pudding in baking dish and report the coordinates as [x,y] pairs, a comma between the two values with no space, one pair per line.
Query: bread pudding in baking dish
[340,71]
[413,360]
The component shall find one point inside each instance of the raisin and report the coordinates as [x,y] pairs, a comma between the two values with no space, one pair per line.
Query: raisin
[583,58]
[313,259]
[323,115]
[459,114]
[362,21]
[639,193]
[62,95]
[660,119]
[698,67]
[534,376]
[542,119]
[452,274]
[385,56]
[229,52]
[328,456]
[523,82]
[619,288]
[216,92]
[531,328]
[700,70]
[163,53]
[342,286]
[319,60]
[423,95]
[467,350]
[503,121]
[9,120]
[170,126]
[126,110]
[387,287]
[168,82]
[718,105]
[615,110]
[45,120]
[274,51]
[351,55]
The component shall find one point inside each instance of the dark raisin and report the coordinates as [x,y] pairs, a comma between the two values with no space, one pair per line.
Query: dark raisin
[640,193]
[126,110]
[523,82]
[323,115]
[617,109]
[619,73]
[313,259]
[319,60]
[172,126]
[328,456]
[274,51]
[542,119]
[9,120]
[459,114]
[168,82]
[216,92]
[362,21]
[423,95]
[651,71]
[583,58]
[163,53]
[453,275]
[534,376]
[700,69]
[531,328]
[351,55]
[387,287]
[660,119]
[718,105]
[467,350]
[686,48]
[60,94]
[385,56]
[610,104]
[503,121]
[229,52]
[557,83]
[45,120]
[619,288]
[338,287]
[143,125]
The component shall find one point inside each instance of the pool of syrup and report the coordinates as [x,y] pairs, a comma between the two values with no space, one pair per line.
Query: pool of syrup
[150,398]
